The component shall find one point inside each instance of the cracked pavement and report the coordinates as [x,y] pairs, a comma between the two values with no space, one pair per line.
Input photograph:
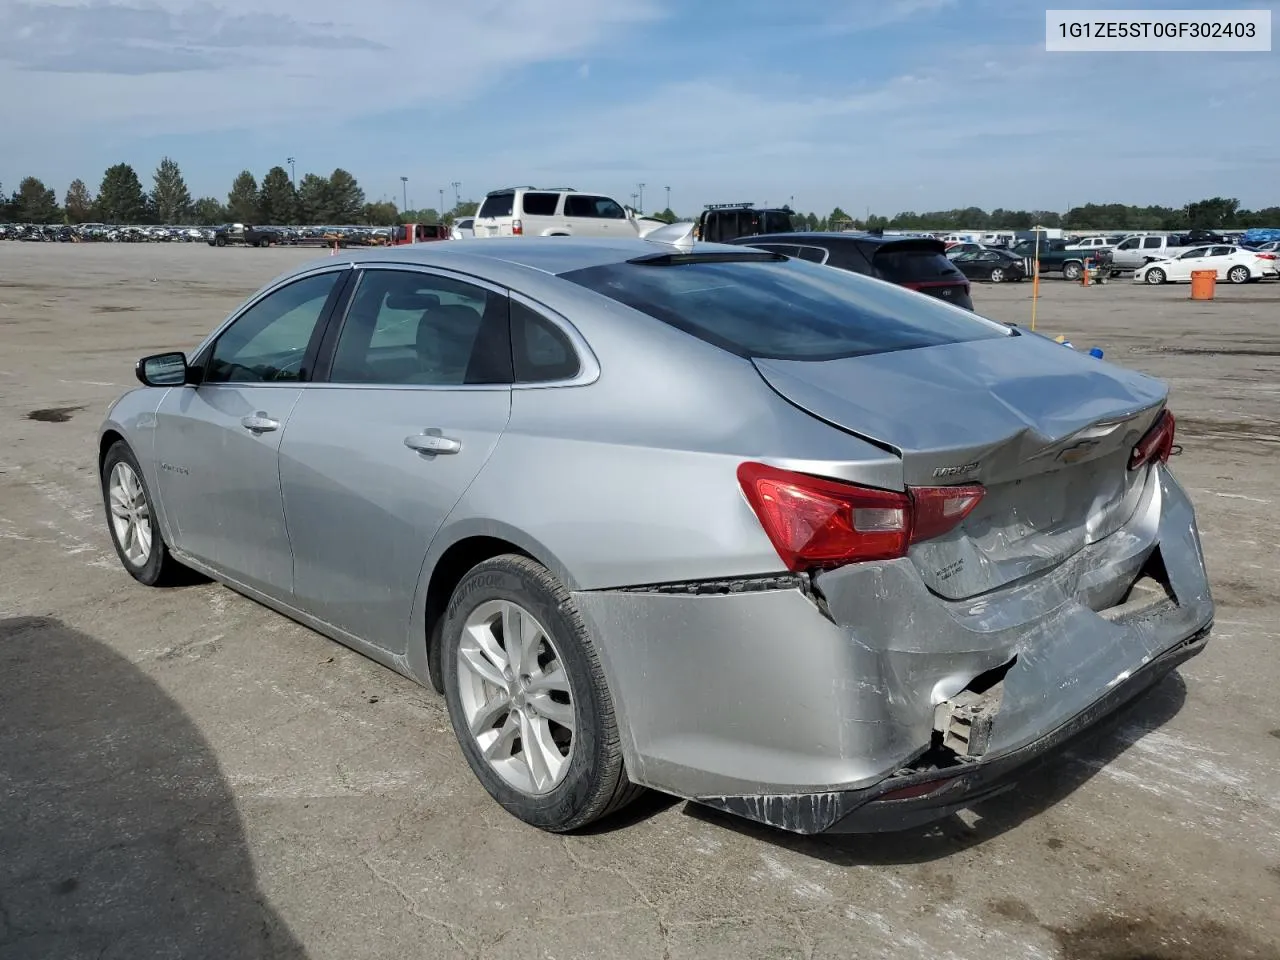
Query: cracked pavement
[184,773]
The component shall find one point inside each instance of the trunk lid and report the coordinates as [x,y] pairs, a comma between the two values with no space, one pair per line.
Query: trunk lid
[1046,430]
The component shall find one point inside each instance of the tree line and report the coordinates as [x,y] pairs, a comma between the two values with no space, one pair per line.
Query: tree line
[121,199]
[339,199]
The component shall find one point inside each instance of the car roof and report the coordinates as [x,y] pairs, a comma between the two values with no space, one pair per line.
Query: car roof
[553,255]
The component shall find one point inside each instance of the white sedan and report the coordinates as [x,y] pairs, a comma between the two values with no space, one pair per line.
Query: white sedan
[1231,263]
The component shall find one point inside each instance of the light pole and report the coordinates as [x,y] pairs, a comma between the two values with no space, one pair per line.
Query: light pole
[404,189]
[668,198]
[293,172]
[640,196]
[457,195]
[442,203]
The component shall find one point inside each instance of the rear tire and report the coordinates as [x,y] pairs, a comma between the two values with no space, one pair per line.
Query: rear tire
[131,521]
[220,241]
[1239,274]
[500,699]
[1155,277]
[997,275]
[1072,271]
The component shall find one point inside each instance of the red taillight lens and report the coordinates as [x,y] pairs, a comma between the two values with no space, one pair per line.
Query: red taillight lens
[1157,444]
[940,509]
[517,228]
[1266,256]
[815,523]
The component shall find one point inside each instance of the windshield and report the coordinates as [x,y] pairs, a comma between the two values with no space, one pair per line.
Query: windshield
[785,310]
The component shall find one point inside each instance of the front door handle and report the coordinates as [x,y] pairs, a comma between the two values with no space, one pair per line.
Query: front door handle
[259,422]
[432,443]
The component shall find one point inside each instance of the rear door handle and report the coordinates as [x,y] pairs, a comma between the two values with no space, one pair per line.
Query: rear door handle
[432,443]
[259,423]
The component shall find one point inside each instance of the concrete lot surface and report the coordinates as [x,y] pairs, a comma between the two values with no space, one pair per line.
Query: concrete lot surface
[186,774]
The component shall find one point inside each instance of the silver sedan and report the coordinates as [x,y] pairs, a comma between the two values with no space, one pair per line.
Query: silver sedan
[778,538]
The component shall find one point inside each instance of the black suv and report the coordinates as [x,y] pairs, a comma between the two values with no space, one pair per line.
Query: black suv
[918,263]
[726,222]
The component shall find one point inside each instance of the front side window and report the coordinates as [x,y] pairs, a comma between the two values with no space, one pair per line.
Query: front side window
[786,310]
[608,209]
[411,328]
[268,342]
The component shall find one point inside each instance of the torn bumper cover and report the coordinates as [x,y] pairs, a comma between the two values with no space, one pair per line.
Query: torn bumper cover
[866,702]
[912,799]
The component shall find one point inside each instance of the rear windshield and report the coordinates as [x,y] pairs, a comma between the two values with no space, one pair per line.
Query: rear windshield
[916,266]
[785,310]
[497,205]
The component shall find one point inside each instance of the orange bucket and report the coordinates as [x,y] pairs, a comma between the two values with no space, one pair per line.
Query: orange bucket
[1203,283]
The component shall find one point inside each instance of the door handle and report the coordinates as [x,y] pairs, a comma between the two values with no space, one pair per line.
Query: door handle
[259,423]
[432,443]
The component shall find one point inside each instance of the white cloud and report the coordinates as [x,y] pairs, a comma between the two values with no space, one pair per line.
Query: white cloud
[176,66]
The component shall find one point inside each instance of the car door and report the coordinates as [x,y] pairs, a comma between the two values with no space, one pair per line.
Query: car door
[217,443]
[1219,258]
[611,219]
[1180,267]
[413,395]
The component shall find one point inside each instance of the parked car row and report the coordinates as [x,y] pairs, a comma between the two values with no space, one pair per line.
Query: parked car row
[100,233]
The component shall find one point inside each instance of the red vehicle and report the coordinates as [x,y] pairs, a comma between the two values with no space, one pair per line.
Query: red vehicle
[408,233]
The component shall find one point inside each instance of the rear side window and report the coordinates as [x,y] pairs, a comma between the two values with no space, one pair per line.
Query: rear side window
[540,204]
[915,266]
[775,221]
[812,254]
[497,205]
[540,350]
[785,310]
[1152,243]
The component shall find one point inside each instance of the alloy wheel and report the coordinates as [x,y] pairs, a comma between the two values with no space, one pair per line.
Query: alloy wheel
[130,514]
[997,275]
[515,696]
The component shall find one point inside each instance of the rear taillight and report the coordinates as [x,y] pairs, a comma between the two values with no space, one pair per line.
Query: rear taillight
[517,228]
[1266,256]
[1156,444]
[816,523]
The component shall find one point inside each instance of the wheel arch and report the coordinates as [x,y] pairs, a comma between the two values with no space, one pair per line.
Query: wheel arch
[447,562]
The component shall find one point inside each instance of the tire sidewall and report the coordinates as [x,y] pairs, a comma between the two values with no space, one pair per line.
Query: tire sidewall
[1236,271]
[150,572]
[1155,277]
[502,580]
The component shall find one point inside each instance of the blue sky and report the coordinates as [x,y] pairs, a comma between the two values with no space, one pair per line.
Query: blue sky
[882,104]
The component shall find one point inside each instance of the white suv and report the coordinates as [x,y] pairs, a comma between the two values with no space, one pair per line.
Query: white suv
[556,212]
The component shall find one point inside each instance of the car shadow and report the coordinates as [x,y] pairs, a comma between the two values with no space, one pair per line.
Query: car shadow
[120,836]
[1048,784]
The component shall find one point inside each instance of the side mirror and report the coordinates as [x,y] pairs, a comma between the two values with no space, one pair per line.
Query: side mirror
[163,370]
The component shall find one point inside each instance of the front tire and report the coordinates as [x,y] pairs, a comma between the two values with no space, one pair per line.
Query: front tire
[528,699]
[1239,274]
[131,520]
[1155,277]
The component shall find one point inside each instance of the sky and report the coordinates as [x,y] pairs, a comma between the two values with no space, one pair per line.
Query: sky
[872,105]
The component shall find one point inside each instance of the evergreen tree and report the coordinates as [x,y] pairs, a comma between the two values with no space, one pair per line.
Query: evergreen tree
[242,201]
[170,198]
[120,197]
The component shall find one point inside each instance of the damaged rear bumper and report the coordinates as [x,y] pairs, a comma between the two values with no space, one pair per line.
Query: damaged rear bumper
[824,706]
[912,799]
